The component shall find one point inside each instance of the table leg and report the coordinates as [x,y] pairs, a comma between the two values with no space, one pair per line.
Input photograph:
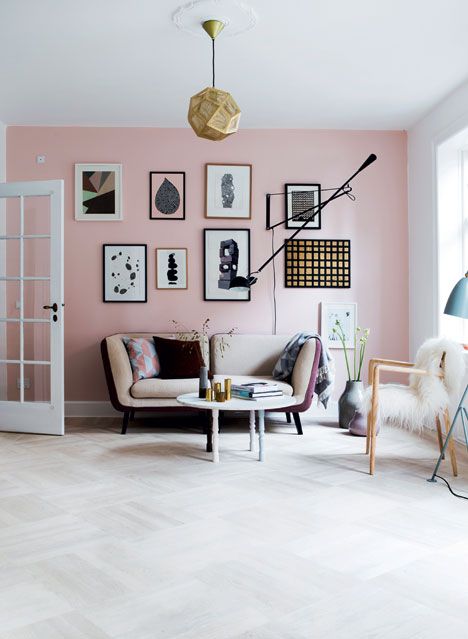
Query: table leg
[252,430]
[215,437]
[261,434]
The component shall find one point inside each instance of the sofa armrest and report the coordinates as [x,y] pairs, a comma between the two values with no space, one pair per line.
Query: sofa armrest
[304,373]
[118,372]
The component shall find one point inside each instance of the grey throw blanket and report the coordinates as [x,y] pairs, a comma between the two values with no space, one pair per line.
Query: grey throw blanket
[326,370]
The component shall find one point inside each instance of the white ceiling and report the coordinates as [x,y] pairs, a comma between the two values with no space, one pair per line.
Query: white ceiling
[370,64]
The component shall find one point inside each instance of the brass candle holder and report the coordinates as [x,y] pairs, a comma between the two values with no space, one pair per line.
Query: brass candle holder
[221,396]
[227,388]
[209,395]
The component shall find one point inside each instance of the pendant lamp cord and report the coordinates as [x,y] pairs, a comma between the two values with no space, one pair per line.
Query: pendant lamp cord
[213,60]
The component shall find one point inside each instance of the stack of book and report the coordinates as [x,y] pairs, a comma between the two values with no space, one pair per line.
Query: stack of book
[256,390]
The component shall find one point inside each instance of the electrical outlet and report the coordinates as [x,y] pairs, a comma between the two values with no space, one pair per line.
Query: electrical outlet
[40,159]
[27,383]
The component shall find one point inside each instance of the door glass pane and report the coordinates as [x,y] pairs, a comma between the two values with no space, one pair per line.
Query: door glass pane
[9,258]
[36,383]
[36,342]
[36,215]
[10,340]
[36,295]
[12,216]
[37,257]
[9,382]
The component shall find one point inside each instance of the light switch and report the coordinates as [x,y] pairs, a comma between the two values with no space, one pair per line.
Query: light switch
[40,159]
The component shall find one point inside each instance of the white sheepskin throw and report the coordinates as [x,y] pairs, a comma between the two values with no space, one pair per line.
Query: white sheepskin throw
[415,406]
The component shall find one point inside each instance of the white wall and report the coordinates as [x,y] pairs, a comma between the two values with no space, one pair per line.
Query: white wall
[3,380]
[444,121]
[425,143]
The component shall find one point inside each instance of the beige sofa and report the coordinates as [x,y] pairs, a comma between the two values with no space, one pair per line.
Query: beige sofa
[247,358]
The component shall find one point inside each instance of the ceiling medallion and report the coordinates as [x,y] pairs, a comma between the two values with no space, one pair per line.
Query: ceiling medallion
[236,16]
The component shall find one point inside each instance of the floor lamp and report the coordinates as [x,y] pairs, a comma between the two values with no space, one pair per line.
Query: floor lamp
[457,305]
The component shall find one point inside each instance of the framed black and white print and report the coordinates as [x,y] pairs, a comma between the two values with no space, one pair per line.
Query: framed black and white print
[124,273]
[171,268]
[98,192]
[228,191]
[300,198]
[167,195]
[227,253]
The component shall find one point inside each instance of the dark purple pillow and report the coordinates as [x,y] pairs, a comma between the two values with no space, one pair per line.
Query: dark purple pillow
[178,358]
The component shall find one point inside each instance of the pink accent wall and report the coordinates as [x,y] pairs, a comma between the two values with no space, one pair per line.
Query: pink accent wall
[376,224]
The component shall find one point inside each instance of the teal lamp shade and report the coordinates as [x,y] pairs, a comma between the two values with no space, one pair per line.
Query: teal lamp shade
[457,303]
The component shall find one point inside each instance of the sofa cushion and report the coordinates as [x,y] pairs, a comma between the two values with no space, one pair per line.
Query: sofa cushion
[171,388]
[179,359]
[143,358]
[163,388]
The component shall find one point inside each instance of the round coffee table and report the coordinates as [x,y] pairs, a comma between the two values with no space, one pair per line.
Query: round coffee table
[250,406]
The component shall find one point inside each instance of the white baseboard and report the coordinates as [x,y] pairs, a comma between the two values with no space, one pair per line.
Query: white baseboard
[105,409]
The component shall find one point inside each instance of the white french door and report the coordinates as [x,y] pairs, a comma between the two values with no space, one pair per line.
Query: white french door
[31,307]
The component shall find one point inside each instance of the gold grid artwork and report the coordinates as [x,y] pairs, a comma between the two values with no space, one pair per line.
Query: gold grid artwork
[318,264]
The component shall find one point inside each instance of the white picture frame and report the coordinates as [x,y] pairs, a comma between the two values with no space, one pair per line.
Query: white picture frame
[347,314]
[228,191]
[98,192]
[175,260]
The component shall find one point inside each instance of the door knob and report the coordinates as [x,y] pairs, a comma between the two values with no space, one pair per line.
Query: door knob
[54,308]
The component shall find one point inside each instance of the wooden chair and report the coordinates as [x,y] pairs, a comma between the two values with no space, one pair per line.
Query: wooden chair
[376,366]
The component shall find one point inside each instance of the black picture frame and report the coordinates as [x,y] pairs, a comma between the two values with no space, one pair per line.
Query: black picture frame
[105,293]
[289,212]
[318,246]
[226,232]
[166,217]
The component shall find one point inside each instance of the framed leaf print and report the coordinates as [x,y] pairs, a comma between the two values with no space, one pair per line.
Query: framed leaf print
[167,195]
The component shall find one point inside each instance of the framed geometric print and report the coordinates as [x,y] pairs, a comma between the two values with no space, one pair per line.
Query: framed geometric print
[98,192]
[300,198]
[318,264]
[124,273]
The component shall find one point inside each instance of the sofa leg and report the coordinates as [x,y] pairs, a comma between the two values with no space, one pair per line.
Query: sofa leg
[126,417]
[297,421]
[288,417]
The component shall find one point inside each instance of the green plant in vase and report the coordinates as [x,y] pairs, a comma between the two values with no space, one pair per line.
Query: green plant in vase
[351,398]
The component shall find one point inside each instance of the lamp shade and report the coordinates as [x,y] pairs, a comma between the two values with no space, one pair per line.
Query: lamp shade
[213,114]
[457,303]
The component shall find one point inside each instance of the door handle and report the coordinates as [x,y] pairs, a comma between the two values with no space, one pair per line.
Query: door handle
[54,307]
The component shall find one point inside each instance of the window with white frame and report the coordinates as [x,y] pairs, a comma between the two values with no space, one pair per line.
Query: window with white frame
[452,228]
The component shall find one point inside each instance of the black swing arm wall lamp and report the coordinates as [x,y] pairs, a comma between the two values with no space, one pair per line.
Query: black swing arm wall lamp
[345,189]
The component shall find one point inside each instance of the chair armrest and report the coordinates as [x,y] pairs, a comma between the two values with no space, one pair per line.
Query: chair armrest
[390,362]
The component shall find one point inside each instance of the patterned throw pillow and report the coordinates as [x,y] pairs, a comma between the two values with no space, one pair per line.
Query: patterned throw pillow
[143,357]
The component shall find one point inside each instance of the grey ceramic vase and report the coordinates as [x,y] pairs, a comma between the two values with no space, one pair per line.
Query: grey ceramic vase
[349,402]
[358,425]
[204,382]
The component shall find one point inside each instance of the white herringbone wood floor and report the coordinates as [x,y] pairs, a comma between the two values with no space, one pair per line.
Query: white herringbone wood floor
[140,537]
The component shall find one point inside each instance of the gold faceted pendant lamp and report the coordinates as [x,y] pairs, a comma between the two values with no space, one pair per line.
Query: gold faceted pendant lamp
[213,114]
